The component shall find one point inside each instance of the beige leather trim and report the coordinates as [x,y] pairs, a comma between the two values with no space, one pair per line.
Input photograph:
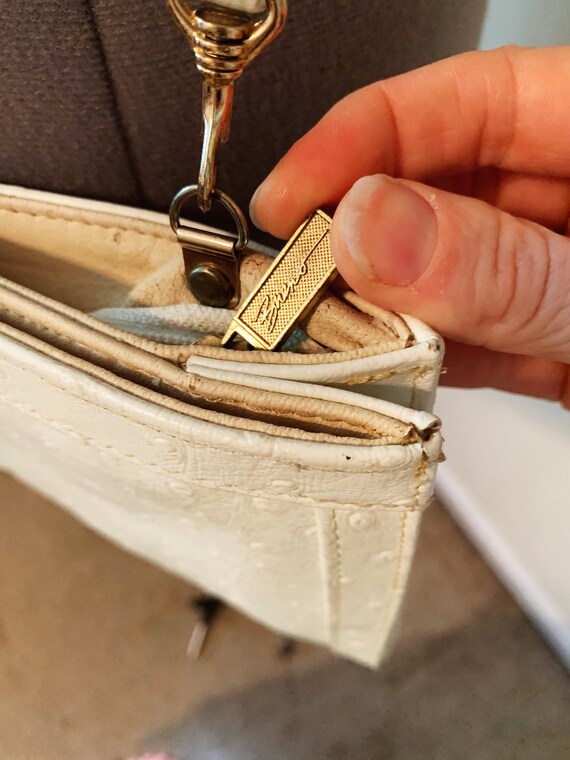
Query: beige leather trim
[91,260]
[261,477]
[163,401]
[23,311]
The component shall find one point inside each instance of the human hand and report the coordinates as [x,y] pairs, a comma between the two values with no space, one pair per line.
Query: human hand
[481,250]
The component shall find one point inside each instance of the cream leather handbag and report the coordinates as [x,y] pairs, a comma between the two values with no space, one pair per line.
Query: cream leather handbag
[289,484]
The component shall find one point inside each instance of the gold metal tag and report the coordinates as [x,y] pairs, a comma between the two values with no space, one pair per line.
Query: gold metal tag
[290,287]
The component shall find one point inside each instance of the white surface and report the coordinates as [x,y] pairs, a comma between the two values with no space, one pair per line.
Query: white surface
[507,480]
[314,538]
[526,22]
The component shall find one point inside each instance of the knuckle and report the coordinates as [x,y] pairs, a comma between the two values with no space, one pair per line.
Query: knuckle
[521,282]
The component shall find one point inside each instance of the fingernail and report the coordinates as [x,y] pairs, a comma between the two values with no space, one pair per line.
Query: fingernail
[388,230]
[252,214]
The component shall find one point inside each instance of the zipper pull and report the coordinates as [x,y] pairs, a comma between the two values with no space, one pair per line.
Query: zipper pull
[290,288]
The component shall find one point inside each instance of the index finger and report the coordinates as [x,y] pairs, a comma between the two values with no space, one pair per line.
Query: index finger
[505,108]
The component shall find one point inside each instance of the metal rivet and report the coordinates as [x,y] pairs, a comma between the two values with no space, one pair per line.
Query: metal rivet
[210,286]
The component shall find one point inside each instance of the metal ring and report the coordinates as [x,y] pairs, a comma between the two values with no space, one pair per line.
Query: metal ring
[230,205]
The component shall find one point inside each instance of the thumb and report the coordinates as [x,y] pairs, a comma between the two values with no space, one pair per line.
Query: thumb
[476,274]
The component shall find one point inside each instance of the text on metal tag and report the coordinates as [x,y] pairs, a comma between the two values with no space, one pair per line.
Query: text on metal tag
[290,287]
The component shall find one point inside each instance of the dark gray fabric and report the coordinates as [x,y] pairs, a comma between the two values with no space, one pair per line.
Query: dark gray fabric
[100,98]
[59,127]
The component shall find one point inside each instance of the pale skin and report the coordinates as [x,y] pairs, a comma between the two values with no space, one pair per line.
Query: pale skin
[462,218]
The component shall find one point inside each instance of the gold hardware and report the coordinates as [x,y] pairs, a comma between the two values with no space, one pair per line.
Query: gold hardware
[289,289]
[224,42]
[210,258]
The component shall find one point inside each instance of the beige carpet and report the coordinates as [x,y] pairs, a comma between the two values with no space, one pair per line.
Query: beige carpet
[93,665]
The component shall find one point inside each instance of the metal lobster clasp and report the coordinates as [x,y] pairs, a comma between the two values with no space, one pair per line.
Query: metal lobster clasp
[224,42]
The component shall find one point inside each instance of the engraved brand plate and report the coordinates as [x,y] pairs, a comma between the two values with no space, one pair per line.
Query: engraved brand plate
[289,288]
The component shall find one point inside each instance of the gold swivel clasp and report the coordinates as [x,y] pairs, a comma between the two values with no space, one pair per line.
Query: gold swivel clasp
[224,42]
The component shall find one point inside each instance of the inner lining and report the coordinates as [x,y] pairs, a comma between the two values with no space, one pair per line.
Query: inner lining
[83,263]
[87,260]
[93,261]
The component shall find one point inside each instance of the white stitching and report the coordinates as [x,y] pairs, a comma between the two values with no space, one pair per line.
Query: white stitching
[385,624]
[91,442]
[335,581]
[191,442]
[57,218]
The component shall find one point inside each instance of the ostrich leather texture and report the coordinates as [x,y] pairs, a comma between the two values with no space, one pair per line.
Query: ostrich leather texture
[289,484]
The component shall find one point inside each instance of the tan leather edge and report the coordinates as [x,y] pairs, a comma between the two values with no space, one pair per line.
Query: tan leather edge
[166,402]
[334,323]
[144,369]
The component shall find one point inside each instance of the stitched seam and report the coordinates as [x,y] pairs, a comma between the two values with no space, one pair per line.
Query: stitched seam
[358,379]
[190,441]
[56,218]
[167,238]
[215,485]
[297,417]
[335,581]
[113,96]
[92,443]
[77,341]
[175,354]
[386,620]
[419,370]
[413,389]
[398,563]
[403,524]
[419,483]
[258,410]
[401,540]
